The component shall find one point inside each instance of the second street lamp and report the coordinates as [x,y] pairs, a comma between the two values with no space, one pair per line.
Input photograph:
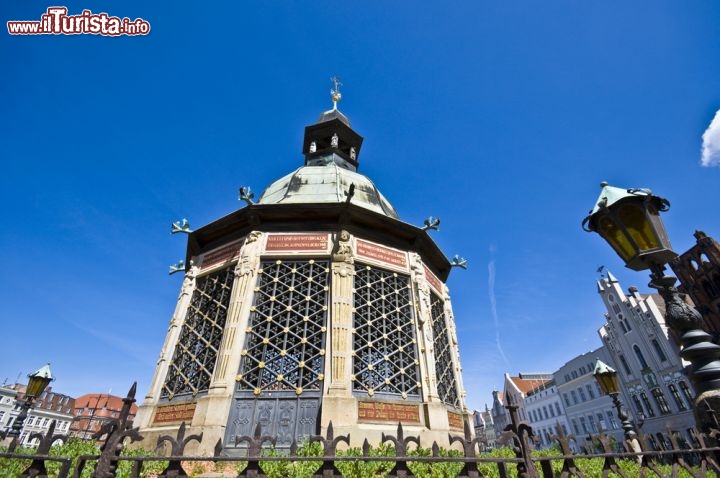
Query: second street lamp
[607,379]
[37,382]
[629,220]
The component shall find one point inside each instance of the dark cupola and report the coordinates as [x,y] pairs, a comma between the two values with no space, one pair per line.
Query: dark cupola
[331,139]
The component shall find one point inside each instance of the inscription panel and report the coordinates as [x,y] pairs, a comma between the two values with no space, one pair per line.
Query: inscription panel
[297,242]
[181,412]
[455,420]
[388,412]
[380,253]
[221,254]
[434,282]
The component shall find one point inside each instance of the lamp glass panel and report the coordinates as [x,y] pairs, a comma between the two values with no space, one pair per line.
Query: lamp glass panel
[608,382]
[616,238]
[36,385]
[638,226]
[659,228]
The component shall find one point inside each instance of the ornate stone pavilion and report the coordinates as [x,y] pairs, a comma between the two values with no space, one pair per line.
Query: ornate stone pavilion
[315,304]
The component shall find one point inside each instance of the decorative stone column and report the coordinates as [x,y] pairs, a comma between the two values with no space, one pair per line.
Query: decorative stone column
[452,335]
[245,277]
[166,354]
[424,328]
[339,405]
[212,410]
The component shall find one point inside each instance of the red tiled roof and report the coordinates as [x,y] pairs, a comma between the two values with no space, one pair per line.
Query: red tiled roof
[527,386]
[101,401]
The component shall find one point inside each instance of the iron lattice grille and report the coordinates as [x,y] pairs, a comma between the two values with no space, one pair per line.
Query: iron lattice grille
[384,346]
[197,347]
[444,369]
[286,333]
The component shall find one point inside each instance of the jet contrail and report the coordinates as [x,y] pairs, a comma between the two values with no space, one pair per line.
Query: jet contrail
[493,307]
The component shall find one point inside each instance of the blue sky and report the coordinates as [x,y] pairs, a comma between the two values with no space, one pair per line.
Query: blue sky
[499,117]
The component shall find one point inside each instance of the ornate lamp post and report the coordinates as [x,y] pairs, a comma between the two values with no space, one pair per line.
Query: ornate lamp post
[606,378]
[37,383]
[629,220]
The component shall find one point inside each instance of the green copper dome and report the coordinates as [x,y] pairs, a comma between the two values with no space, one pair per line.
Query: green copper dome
[326,183]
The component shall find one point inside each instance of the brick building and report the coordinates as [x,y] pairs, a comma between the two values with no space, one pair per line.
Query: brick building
[698,270]
[93,410]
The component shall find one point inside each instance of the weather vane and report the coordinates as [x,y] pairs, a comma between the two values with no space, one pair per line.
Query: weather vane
[335,92]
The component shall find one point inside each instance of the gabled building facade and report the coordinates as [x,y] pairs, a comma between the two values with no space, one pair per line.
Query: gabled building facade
[516,389]
[656,387]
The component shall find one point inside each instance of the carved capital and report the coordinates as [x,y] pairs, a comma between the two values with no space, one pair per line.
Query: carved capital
[343,252]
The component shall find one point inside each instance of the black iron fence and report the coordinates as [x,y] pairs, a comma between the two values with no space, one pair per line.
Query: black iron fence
[671,458]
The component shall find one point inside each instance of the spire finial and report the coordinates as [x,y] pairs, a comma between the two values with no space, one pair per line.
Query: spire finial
[335,92]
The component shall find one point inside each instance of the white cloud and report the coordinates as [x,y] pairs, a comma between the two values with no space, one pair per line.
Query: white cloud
[711,143]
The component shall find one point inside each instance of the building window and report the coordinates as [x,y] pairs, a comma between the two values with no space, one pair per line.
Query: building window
[582,394]
[567,400]
[676,396]
[640,357]
[661,402]
[591,394]
[574,397]
[638,405]
[552,412]
[285,338]
[646,402]
[385,346]
[583,425]
[195,355]
[557,408]
[601,422]
[611,419]
[575,426]
[545,412]
[659,350]
[686,392]
[591,421]
[624,364]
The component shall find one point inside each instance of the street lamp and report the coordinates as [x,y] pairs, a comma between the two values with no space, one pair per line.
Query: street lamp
[37,382]
[629,220]
[607,379]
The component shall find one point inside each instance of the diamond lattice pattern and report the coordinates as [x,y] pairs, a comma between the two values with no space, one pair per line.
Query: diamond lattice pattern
[444,370]
[196,351]
[385,349]
[286,333]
